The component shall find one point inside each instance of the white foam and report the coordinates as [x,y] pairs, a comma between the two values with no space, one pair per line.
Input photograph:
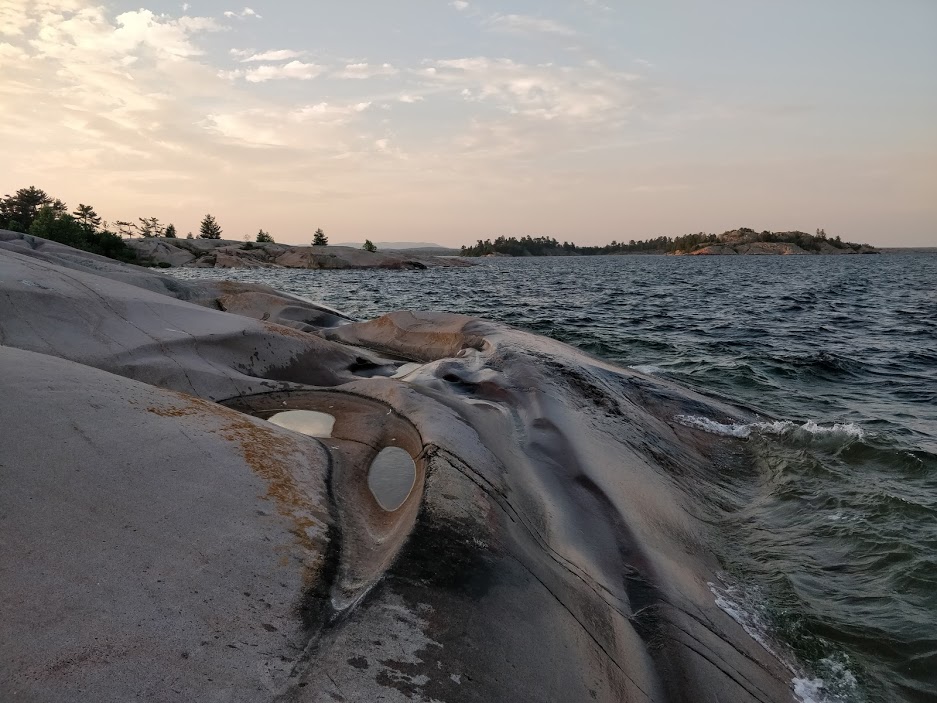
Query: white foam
[842,686]
[808,690]
[647,368]
[756,628]
[778,428]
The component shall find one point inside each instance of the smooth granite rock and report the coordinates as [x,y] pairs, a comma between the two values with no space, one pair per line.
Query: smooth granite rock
[155,544]
[224,253]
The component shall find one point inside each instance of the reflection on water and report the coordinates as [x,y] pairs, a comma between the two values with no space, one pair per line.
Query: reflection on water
[391,477]
[310,422]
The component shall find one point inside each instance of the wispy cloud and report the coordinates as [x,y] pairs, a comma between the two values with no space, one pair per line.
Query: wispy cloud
[527,24]
[242,14]
[460,5]
[589,93]
[293,70]
[275,55]
[362,71]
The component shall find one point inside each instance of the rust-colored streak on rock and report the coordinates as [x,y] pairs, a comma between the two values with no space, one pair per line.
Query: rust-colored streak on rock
[272,457]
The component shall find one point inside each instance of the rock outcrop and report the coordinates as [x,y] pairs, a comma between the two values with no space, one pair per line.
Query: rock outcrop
[161,539]
[746,242]
[220,253]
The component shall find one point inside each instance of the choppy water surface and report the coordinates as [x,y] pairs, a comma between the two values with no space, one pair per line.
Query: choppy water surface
[830,513]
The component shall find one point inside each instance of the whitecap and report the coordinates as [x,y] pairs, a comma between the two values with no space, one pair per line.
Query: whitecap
[647,369]
[808,690]
[778,427]
[842,685]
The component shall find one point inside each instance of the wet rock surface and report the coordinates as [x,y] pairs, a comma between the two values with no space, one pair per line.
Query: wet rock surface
[161,539]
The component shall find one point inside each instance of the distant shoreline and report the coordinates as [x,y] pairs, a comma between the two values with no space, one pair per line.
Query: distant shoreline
[742,241]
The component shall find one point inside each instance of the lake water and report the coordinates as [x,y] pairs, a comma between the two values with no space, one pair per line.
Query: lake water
[830,527]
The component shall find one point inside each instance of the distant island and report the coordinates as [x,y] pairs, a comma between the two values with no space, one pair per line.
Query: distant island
[734,242]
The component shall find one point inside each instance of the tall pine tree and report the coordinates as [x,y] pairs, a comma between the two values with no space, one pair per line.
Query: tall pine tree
[209,229]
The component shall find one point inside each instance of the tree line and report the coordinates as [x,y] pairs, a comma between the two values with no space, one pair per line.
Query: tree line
[548,246]
[33,211]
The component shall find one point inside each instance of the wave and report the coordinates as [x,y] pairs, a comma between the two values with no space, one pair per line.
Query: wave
[647,369]
[836,685]
[778,427]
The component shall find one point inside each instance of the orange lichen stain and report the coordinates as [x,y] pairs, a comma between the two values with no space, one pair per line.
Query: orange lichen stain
[172,412]
[271,456]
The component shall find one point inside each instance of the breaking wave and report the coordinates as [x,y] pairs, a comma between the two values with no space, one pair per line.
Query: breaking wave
[784,428]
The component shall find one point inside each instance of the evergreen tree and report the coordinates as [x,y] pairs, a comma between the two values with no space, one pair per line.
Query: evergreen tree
[189,236]
[170,232]
[369,246]
[264,237]
[319,239]
[18,211]
[209,229]
[125,229]
[58,227]
[149,227]
[55,224]
[86,215]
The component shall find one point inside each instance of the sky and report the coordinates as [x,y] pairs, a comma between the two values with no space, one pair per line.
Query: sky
[451,121]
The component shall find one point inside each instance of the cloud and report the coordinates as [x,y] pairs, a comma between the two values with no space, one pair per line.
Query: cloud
[243,14]
[362,71]
[87,36]
[526,24]
[315,127]
[590,93]
[10,54]
[460,5]
[275,55]
[295,70]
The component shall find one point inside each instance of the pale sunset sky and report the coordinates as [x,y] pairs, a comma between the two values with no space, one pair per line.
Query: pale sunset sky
[449,121]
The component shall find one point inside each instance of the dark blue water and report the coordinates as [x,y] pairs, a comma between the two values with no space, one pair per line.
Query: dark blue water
[830,516]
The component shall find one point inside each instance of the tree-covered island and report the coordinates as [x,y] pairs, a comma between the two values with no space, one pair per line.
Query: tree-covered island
[738,241]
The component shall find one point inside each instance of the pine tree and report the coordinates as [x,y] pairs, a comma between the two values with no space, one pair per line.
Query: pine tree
[170,232]
[319,239]
[88,218]
[18,211]
[369,246]
[149,227]
[209,229]
[264,237]
[125,229]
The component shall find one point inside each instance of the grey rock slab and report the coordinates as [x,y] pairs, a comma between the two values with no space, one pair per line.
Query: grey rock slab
[556,543]
[151,544]
[152,337]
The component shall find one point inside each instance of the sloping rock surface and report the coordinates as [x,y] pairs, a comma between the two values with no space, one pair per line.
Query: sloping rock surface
[161,540]
[221,253]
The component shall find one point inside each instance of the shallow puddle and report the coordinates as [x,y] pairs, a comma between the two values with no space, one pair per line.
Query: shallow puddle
[310,422]
[391,477]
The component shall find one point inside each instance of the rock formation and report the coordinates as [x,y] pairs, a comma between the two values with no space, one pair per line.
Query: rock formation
[161,540]
[220,253]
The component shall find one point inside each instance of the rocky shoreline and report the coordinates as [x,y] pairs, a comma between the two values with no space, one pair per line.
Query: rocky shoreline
[221,253]
[162,539]
[773,248]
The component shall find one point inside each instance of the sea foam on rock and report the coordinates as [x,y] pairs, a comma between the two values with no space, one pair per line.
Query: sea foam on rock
[160,539]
